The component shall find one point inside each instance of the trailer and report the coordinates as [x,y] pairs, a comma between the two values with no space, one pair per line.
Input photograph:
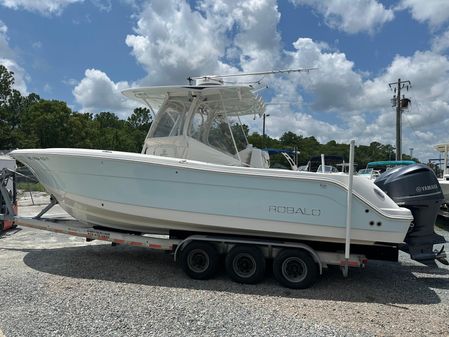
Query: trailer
[296,265]
[8,201]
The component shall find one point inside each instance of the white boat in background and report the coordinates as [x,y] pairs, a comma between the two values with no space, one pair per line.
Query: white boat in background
[374,168]
[198,174]
[368,173]
[444,180]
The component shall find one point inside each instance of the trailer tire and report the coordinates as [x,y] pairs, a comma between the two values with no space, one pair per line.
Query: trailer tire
[295,268]
[245,264]
[199,260]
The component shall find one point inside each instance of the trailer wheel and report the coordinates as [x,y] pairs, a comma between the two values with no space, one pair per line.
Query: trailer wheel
[295,268]
[199,260]
[245,264]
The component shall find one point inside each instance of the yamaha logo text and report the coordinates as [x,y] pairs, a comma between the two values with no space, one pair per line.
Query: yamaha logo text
[424,188]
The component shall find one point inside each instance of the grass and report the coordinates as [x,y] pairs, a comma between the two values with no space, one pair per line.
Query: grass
[30,187]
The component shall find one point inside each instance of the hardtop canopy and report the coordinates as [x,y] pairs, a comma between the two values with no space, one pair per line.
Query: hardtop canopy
[237,100]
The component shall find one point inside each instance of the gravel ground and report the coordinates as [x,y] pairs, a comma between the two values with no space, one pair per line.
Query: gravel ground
[56,285]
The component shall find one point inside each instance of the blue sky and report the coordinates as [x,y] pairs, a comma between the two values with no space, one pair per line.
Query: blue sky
[86,51]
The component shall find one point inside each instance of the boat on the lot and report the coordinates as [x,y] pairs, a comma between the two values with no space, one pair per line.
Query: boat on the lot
[147,193]
[375,168]
[198,174]
[444,180]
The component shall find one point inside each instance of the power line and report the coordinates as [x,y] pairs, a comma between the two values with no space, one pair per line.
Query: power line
[408,120]
[411,127]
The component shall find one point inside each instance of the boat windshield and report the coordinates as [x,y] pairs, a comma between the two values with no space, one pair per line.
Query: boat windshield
[212,127]
[171,121]
[209,124]
[327,169]
[366,171]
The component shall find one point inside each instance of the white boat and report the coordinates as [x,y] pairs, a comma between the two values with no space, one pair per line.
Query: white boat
[444,180]
[195,174]
[149,193]
[368,173]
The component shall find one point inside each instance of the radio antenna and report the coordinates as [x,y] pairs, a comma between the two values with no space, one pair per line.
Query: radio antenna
[271,72]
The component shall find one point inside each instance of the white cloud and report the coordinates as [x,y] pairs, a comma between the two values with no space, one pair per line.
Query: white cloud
[37,45]
[303,124]
[255,25]
[335,83]
[441,43]
[102,5]
[46,7]
[70,82]
[425,122]
[428,72]
[351,16]
[343,104]
[48,88]
[7,59]
[5,49]
[173,40]
[96,92]
[435,12]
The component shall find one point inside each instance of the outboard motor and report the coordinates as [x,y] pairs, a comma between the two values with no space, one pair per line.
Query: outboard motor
[416,187]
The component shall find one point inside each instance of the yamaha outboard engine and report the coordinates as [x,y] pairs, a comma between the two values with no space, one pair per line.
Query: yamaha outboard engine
[416,187]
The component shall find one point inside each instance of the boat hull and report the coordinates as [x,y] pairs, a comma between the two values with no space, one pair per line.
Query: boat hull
[445,189]
[152,194]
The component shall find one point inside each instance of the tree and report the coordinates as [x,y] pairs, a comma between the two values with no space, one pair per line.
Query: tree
[81,131]
[6,83]
[291,139]
[46,124]
[138,125]
[13,106]
[141,119]
[6,91]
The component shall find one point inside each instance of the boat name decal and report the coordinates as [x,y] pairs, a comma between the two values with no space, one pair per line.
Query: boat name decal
[424,188]
[294,210]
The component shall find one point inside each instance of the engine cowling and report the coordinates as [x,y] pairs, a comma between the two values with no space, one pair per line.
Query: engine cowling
[416,187]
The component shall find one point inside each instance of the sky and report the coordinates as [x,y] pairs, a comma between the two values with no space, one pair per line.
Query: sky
[85,52]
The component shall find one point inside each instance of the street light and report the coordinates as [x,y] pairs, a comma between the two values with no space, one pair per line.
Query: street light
[263,128]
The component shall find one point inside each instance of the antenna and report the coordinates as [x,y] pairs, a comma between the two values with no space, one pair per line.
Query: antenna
[271,72]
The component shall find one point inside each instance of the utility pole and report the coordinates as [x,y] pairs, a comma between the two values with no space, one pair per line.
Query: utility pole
[400,104]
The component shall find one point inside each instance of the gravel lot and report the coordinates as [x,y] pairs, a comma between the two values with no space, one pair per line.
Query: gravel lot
[56,285]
